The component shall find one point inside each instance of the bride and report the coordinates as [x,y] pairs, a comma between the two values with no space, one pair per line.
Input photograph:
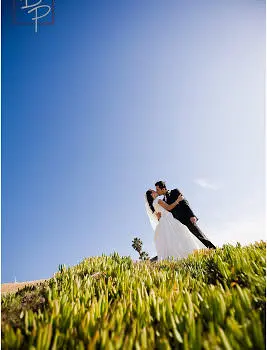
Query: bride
[172,238]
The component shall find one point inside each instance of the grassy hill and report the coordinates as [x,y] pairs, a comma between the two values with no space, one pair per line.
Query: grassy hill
[211,300]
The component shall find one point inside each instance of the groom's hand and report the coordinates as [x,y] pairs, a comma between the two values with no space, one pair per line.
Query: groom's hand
[193,219]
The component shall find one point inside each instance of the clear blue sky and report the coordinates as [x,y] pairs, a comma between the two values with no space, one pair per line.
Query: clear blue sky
[115,96]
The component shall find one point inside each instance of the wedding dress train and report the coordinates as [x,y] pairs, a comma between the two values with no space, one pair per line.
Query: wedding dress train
[172,238]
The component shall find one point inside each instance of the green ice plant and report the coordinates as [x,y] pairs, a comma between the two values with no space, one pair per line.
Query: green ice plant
[210,300]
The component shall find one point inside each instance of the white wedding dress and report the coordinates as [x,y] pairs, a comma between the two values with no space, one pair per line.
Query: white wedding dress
[172,238]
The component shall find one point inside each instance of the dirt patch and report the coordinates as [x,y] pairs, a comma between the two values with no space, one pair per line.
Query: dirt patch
[14,287]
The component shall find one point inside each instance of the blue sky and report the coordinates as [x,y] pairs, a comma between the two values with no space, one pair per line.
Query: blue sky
[113,97]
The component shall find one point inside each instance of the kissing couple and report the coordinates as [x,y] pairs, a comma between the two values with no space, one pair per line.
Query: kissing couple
[176,231]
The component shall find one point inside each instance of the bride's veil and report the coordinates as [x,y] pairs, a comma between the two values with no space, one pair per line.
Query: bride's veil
[152,216]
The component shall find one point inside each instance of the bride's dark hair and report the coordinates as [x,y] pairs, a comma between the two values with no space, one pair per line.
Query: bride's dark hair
[150,200]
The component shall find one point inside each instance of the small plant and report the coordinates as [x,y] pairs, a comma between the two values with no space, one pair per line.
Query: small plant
[137,245]
[61,268]
[144,256]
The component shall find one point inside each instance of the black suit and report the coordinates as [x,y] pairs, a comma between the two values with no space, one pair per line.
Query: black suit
[183,213]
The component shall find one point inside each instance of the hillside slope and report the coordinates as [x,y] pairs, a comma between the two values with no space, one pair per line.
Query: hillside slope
[15,286]
[211,300]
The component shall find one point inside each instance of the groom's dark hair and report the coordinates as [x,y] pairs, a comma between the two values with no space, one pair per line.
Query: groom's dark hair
[161,184]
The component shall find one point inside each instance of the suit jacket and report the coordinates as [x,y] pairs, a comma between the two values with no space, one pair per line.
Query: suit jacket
[182,210]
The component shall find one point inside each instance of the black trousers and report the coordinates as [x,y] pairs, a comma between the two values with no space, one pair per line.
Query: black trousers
[197,232]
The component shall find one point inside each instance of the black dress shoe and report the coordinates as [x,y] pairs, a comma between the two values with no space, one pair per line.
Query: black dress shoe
[154,259]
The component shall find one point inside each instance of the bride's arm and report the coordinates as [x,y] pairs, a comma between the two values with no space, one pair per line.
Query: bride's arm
[169,207]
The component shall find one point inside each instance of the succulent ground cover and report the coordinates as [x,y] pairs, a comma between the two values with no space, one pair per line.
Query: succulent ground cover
[210,300]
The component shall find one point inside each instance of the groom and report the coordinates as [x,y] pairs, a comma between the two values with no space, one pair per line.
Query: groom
[182,212]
